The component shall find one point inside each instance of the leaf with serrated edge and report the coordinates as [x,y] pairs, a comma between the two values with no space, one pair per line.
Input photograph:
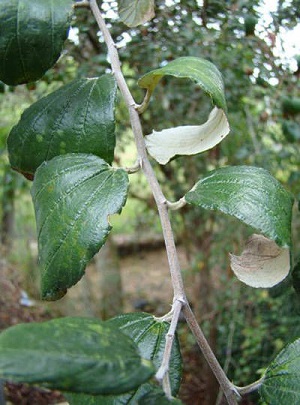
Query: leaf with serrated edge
[281,382]
[76,118]
[73,196]
[32,34]
[250,194]
[189,140]
[136,12]
[73,354]
[262,264]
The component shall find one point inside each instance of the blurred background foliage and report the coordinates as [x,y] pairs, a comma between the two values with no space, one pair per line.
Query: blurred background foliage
[246,41]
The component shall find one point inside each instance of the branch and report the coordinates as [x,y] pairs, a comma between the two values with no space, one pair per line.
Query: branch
[159,197]
[162,206]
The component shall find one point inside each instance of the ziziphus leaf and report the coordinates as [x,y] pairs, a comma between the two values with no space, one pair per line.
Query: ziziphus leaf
[251,195]
[189,139]
[73,196]
[77,118]
[135,12]
[281,381]
[74,354]
[149,334]
[32,34]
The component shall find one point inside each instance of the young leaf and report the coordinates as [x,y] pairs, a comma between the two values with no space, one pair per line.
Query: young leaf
[136,12]
[32,34]
[189,140]
[281,382]
[74,354]
[78,117]
[262,264]
[73,196]
[150,334]
[250,194]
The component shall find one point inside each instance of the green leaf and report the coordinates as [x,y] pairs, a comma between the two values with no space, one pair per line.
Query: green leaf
[79,118]
[189,140]
[281,382]
[136,12]
[32,34]
[123,399]
[73,196]
[250,194]
[157,397]
[149,334]
[75,354]
[201,71]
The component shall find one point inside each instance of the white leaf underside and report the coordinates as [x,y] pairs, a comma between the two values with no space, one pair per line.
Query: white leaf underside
[188,139]
[262,264]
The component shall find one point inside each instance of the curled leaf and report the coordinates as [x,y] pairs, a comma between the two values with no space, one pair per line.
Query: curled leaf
[188,139]
[262,264]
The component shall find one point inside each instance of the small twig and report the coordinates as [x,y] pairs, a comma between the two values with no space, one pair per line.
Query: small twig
[251,387]
[134,168]
[83,3]
[142,107]
[230,391]
[162,374]
[173,206]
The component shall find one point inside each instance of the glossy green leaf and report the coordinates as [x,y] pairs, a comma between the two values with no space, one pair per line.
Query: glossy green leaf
[201,71]
[75,354]
[250,194]
[281,384]
[149,334]
[32,34]
[73,196]
[136,12]
[77,118]
[189,139]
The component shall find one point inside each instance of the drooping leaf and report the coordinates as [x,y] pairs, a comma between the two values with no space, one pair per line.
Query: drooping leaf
[135,12]
[75,354]
[262,264]
[250,194]
[189,140]
[73,196]
[281,383]
[32,34]
[78,118]
[150,334]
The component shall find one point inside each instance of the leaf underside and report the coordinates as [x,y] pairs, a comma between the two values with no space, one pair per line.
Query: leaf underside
[32,34]
[72,354]
[135,12]
[73,196]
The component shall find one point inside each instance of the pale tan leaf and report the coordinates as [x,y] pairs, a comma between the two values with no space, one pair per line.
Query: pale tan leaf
[188,139]
[262,264]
